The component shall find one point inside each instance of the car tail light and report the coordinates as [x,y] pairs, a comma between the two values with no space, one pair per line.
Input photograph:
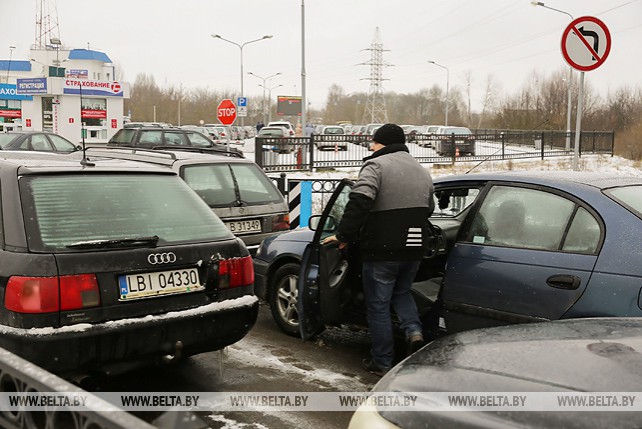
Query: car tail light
[51,294]
[32,294]
[79,291]
[235,272]
[281,222]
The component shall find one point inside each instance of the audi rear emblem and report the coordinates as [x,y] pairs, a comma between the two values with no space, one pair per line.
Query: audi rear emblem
[161,258]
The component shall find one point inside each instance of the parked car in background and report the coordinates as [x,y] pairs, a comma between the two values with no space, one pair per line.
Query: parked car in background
[556,361]
[224,131]
[331,137]
[511,248]
[207,131]
[36,140]
[452,140]
[153,137]
[275,138]
[289,128]
[235,188]
[111,264]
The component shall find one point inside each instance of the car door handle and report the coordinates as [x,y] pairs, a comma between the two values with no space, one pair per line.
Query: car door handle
[564,281]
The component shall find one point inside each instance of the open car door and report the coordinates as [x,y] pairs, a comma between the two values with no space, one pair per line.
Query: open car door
[324,270]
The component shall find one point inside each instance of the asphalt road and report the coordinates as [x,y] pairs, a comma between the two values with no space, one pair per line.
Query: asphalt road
[264,361]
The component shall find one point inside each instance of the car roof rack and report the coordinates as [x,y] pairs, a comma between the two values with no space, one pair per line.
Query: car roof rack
[232,152]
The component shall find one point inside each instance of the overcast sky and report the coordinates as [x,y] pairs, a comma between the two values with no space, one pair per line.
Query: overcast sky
[171,40]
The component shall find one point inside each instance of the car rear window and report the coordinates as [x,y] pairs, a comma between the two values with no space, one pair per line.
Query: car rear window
[61,210]
[215,183]
[6,138]
[628,196]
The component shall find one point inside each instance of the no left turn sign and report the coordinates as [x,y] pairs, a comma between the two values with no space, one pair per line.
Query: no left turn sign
[586,43]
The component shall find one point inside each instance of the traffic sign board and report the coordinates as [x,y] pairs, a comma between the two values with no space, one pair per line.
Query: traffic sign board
[586,43]
[241,101]
[242,111]
[226,112]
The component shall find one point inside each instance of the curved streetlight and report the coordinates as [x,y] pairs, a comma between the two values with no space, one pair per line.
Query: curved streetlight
[447,85]
[241,46]
[11,48]
[569,83]
[269,99]
[264,79]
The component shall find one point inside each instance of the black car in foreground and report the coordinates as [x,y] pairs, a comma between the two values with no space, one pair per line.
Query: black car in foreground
[580,373]
[109,264]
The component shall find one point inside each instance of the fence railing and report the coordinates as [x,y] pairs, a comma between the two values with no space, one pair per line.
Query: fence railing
[336,151]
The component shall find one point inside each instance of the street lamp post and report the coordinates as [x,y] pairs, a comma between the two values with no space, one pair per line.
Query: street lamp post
[241,46]
[447,86]
[11,48]
[568,84]
[264,79]
[270,99]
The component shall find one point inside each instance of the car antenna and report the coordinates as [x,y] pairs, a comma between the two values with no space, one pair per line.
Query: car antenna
[84,161]
[488,157]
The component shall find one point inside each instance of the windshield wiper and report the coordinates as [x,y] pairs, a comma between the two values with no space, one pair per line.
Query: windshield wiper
[151,241]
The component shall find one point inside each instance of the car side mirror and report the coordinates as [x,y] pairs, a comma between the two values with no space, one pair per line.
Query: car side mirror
[314,222]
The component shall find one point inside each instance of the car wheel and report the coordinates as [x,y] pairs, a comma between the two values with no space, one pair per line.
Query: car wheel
[284,298]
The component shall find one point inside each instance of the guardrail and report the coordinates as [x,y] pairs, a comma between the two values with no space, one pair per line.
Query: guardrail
[23,379]
[336,151]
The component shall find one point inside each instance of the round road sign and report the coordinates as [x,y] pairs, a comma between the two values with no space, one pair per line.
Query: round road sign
[226,112]
[586,43]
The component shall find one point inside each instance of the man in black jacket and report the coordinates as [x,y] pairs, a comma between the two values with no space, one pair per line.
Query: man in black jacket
[387,212]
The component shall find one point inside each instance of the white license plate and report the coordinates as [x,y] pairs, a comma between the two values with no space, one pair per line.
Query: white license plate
[158,283]
[244,226]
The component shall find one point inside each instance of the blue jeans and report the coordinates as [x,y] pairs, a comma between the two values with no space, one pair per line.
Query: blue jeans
[385,283]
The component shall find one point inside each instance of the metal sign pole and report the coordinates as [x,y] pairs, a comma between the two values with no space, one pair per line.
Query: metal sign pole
[578,123]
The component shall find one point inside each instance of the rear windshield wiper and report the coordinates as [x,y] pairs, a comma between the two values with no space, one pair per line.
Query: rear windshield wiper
[151,241]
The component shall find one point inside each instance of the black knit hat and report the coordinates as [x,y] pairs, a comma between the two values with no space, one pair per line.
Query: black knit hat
[389,134]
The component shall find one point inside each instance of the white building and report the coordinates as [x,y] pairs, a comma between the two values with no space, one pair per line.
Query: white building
[68,92]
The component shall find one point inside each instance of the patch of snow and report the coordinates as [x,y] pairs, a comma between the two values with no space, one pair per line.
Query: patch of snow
[247,300]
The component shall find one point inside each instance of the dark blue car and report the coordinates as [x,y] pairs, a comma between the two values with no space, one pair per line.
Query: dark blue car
[517,247]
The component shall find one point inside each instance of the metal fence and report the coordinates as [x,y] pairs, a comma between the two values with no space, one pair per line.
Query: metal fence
[336,151]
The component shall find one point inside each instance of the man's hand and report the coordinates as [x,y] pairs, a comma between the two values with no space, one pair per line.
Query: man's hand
[334,239]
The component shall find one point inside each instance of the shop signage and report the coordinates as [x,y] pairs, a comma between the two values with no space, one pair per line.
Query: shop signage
[78,73]
[9,91]
[92,87]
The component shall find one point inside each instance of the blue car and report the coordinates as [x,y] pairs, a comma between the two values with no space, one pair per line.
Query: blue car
[515,247]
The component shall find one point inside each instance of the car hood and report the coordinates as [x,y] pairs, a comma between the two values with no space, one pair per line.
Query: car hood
[582,355]
[578,354]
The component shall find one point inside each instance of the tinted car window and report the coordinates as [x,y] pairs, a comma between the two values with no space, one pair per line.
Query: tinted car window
[124,136]
[176,138]
[153,137]
[5,139]
[38,142]
[254,187]
[198,139]
[66,209]
[61,144]
[216,184]
[629,196]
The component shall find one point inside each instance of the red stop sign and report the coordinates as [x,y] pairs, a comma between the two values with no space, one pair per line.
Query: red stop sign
[226,112]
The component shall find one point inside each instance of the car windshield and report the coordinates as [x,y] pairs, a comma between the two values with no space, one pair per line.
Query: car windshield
[198,139]
[333,130]
[629,196]
[215,183]
[69,208]
[5,139]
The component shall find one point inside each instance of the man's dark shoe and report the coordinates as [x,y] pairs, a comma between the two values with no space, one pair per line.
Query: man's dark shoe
[414,343]
[373,368]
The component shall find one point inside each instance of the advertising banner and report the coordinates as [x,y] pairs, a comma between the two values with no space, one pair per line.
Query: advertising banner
[92,87]
[10,91]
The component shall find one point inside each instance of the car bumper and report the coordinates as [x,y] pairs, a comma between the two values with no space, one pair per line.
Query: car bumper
[87,347]
[260,278]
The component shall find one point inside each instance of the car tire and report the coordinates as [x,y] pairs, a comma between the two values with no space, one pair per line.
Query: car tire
[283,298]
